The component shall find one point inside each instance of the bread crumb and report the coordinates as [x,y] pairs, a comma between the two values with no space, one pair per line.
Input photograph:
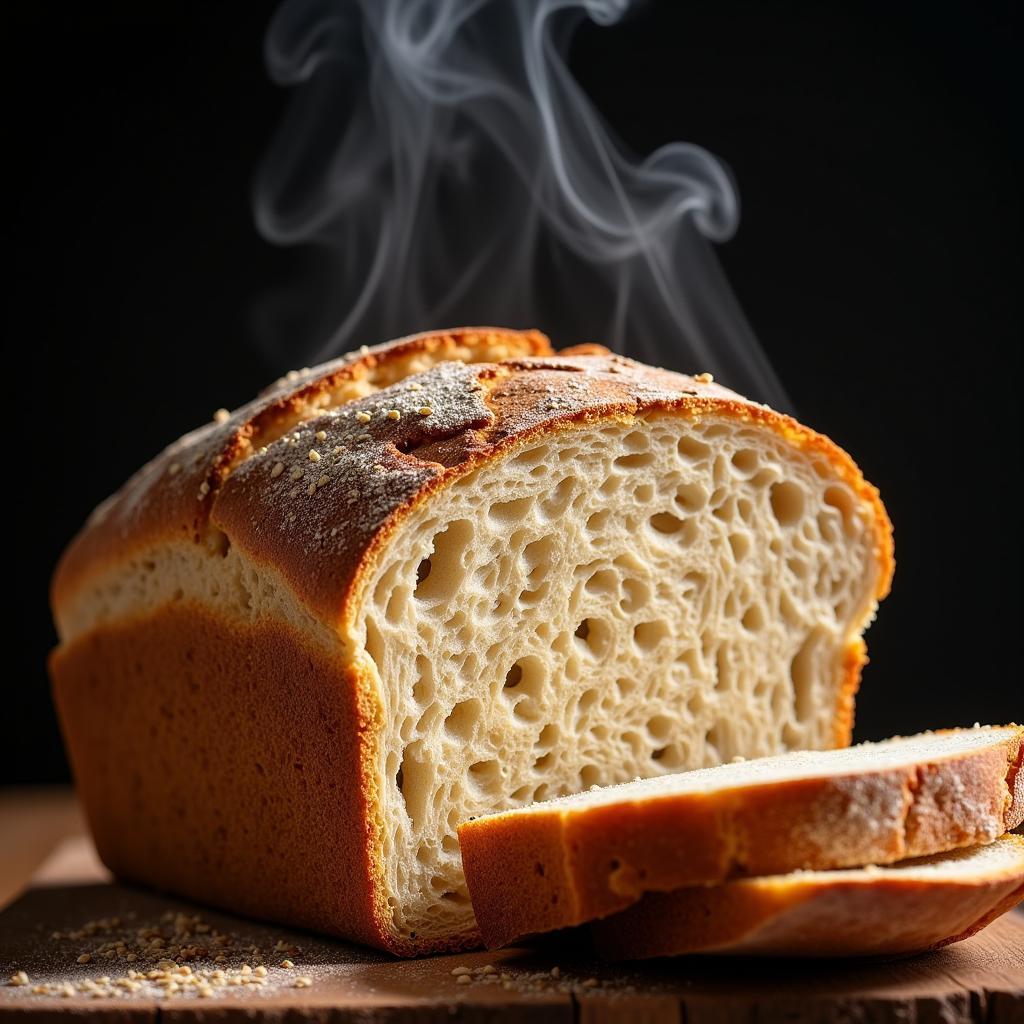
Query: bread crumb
[19,978]
[287,965]
[221,416]
[463,979]
[84,958]
[704,378]
[302,982]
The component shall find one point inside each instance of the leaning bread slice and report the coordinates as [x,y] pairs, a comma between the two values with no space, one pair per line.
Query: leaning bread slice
[583,857]
[908,907]
[311,640]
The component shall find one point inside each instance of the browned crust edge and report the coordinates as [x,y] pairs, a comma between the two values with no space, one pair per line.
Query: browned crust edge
[154,506]
[789,917]
[610,855]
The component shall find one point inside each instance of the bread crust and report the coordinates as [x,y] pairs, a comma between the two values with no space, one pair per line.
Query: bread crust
[171,497]
[217,487]
[608,855]
[219,760]
[876,913]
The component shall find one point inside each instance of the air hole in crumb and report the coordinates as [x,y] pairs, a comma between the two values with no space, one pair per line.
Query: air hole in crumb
[665,522]
[636,595]
[422,571]
[636,461]
[692,497]
[549,736]
[745,460]
[463,717]
[545,761]
[514,676]
[691,449]
[660,727]
[486,774]
[753,618]
[841,499]
[603,582]
[505,512]
[647,635]
[740,544]
[787,502]
[595,636]
[803,672]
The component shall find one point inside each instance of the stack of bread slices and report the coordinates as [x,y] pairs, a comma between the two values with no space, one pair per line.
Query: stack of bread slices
[883,848]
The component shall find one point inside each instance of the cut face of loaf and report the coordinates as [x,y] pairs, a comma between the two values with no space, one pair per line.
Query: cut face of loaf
[569,861]
[481,586]
[909,907]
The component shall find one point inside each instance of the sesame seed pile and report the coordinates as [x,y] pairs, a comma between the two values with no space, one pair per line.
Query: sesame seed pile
[535,982]
[178,955]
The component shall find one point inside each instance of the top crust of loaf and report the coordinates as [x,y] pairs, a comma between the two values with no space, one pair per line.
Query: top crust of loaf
[386,468]
[348,478]
[172,496]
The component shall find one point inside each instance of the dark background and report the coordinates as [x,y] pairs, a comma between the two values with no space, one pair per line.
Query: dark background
[878,257]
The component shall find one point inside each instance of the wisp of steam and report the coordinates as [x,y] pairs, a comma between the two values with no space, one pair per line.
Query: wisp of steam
[449,170]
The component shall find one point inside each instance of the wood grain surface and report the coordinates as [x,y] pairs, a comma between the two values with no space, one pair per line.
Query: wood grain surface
[981,979]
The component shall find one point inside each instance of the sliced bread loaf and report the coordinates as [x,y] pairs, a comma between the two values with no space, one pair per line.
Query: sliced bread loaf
[907,907]
[572,860]
[311,639]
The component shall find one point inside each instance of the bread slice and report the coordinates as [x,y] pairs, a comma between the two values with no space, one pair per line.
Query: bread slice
[909,907]
[583,857]
[309,641]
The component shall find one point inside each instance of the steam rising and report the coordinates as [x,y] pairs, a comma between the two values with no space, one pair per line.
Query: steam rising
[452,171]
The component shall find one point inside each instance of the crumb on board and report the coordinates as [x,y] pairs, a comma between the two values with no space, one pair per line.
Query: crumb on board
[176,955]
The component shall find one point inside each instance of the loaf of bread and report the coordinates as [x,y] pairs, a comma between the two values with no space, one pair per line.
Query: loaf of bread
[909,907]
[568,861]
[440,578]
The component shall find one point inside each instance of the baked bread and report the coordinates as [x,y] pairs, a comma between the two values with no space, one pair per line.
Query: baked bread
[573,860]
[909,907]
[311,639]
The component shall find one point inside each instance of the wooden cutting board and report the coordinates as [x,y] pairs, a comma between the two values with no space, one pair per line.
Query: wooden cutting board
[981,979]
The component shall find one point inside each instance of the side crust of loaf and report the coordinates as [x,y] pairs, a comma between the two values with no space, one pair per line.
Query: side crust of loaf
[536,872]
[230,763]
[864,913]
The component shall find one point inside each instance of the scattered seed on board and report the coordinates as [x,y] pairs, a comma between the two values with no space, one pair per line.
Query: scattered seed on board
[278,469]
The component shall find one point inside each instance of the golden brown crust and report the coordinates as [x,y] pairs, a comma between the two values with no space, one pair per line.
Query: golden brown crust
[877,913]
[170,497]
[387,468]
[230,764]
[610,854]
